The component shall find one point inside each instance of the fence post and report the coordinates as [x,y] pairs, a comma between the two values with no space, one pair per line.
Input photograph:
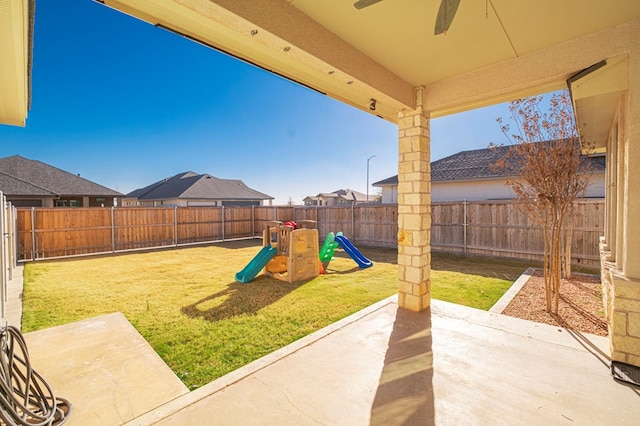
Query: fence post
[113,229]
[223,223]
[253,221]
[33,233]
[175,226]
[353,221]
[464,226]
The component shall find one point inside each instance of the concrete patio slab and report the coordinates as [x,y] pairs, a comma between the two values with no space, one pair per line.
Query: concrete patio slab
[104,367]
[389,366]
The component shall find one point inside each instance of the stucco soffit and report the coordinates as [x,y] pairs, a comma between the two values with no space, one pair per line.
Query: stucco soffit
[595,94]
[541,71]
[279,38]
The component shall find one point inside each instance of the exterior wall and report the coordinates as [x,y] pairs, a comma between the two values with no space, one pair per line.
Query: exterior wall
[177,202]
[330,201]
[30,202]
[480,190]
[390,194]
[620,247]
[64,201]
[203,203]
[471,190]
[597,186]
[134,202]
[102,201]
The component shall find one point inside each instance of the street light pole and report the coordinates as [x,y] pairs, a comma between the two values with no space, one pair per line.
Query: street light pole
[368,177]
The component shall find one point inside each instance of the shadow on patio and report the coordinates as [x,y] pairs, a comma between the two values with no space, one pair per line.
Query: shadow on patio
[405,390]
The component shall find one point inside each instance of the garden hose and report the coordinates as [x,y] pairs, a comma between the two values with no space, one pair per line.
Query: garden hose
[26,399]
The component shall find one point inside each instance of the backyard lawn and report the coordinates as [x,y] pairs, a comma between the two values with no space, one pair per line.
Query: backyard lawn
[187,305]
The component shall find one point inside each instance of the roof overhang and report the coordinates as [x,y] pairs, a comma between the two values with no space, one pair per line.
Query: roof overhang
[16,41]
[596,93]
[262,34]
[375,58]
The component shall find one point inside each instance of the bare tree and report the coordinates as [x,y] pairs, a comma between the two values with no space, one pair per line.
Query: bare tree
[548,173]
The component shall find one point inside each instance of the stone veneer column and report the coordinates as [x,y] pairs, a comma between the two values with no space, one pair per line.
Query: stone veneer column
[414,208]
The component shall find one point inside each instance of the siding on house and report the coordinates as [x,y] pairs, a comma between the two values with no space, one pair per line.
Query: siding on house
[468,176]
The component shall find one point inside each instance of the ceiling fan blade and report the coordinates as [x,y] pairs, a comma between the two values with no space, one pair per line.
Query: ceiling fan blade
[361,4]
[446,12]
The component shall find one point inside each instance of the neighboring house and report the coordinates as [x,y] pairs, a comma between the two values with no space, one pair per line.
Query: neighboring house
[191,189]
[468,176]
[341,197]
[31,183]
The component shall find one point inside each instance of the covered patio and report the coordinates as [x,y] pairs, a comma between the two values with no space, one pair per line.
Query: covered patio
[411,359]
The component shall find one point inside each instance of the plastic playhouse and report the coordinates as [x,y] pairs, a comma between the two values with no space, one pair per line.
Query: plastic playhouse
[290,253]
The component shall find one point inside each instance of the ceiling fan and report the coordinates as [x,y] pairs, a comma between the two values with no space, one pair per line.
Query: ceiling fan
[446,12]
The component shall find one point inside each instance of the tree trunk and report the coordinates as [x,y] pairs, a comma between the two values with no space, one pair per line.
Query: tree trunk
[568,238]
[546,262]
[556,258]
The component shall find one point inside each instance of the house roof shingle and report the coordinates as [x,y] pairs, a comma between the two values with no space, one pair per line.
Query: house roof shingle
[190,185]
[348,194]
[21,176]
[473,165]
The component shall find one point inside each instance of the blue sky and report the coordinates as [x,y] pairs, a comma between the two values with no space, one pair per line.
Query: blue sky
[125,104]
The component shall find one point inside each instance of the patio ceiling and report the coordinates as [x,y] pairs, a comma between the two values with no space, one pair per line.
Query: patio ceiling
[490,54]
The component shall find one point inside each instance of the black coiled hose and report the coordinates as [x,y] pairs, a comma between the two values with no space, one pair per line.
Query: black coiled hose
[25,397]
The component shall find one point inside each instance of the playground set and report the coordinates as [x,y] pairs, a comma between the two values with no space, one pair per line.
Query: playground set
[290,252]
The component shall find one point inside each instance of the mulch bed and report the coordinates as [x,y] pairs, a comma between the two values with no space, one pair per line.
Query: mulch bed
[580,307]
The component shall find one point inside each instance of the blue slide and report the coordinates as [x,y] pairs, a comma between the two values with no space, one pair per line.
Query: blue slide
[257,263]
[352,251]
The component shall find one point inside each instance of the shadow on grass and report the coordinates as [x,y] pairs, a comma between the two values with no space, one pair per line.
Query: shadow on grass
[237,244]
[331,271]
[238,299]
[374,254]
[474,265]
[482,266]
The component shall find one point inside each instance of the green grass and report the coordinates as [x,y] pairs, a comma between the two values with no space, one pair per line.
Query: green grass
[187,305]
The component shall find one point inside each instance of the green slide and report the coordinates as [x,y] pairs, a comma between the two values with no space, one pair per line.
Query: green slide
[328,248]
[257,263]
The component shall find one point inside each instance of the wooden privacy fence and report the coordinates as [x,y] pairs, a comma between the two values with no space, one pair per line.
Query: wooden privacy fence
[499,229]
[481,228]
